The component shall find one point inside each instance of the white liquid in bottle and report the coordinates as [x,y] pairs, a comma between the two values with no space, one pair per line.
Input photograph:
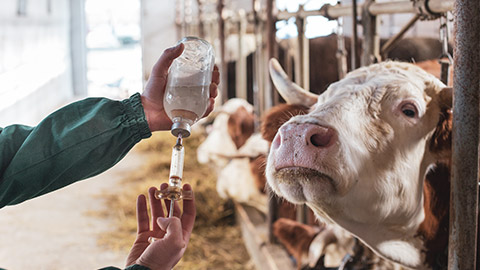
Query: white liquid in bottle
[186,102]
[188,86]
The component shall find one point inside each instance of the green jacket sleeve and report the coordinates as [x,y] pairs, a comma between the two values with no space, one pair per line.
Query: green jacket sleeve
[131,267]
[76,142]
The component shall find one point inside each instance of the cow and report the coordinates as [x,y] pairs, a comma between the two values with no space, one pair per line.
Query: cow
[237,153]
[313,247]
[371,154]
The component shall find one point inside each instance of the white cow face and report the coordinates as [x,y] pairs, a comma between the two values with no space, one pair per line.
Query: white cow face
[359,156]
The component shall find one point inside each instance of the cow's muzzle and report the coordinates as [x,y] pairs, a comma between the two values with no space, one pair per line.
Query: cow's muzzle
[303,145]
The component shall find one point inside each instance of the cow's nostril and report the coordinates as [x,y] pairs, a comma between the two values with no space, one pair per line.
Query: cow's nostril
[321,140]
[277,141]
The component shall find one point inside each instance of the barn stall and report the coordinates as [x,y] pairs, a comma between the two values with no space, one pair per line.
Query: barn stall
[230,24]
[245,36]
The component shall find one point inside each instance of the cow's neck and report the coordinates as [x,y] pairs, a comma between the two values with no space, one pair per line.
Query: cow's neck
[391,242]
[425,248]
[421,249]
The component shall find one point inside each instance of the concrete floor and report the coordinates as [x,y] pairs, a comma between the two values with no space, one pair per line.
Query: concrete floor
[54,231]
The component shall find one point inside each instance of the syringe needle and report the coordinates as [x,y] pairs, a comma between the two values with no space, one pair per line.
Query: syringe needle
[172,205]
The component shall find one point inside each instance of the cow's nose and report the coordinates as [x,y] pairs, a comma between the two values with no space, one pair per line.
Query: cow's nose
[302,144]
[305,135]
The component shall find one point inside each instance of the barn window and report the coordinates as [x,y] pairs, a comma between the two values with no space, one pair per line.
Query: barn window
[22,8]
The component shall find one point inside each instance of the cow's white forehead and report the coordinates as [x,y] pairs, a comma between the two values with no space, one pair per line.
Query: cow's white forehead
[387,78]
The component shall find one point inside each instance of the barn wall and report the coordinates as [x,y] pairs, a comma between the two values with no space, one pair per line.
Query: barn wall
[35,65]
[158,31]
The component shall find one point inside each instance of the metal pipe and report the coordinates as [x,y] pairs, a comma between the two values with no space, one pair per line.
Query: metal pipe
[299,66]
[272,97]
[371,46]
[353,51]
[257,78]
[464,184]
[223,65]
[241,65]
[389,44]
[341,51]
[333,12]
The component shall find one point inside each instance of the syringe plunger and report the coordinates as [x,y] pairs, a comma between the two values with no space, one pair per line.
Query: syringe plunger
[174,190]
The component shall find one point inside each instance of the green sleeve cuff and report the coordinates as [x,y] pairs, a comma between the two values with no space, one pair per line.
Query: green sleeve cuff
[136,117]
[131,267]
[137,267]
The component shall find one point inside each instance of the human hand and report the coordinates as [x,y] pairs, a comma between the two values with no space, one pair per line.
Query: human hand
[152,96]
[172,234]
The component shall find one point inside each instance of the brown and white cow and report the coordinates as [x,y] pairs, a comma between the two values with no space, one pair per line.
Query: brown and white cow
[359,155]
[237,154]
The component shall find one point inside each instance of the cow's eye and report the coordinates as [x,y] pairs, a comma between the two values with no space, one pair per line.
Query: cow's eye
[409,110]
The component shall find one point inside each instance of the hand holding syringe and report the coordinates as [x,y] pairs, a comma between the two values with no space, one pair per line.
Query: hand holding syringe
[174,190]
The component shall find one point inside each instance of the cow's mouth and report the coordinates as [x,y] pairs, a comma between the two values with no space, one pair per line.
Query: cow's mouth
[302,176]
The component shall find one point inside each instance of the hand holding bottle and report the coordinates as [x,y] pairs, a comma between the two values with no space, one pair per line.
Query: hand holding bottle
[152,96]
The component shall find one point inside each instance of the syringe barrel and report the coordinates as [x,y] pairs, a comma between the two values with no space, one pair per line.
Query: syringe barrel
[176,165]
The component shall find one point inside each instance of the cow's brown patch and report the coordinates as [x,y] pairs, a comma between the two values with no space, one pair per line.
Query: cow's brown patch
[257,165]
[441,142]
[296,237]
[241,126]
[277,116]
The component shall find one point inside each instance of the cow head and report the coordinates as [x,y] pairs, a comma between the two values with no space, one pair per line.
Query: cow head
[359,156]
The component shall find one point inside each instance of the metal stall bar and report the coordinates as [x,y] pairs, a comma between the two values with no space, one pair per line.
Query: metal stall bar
[301,69]
[371,50]
[201,19]
[464,184]
[272,202]
[271,95]
[258,89]
[354,42]
[333,12]
[223,65]
[241,66]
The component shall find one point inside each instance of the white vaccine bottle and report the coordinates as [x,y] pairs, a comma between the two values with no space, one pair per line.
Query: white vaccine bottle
[187,92]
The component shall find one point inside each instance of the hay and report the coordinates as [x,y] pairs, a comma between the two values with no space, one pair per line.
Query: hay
[216,241]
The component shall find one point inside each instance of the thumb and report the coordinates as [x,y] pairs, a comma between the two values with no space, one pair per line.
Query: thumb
[160,69]
[173,228]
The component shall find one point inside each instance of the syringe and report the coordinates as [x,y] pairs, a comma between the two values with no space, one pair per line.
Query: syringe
[174,191]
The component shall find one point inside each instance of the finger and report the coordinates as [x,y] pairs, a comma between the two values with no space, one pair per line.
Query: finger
[173,229]
[211,106]
[155,207]
[189,213]
[142,214]
[160,69]
[213,90]
[215,75]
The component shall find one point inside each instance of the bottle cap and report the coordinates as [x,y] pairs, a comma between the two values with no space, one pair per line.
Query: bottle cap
[181,128]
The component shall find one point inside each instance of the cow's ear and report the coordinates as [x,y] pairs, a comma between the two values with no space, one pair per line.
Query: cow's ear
[445,97]
[277,116]
[441,143]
